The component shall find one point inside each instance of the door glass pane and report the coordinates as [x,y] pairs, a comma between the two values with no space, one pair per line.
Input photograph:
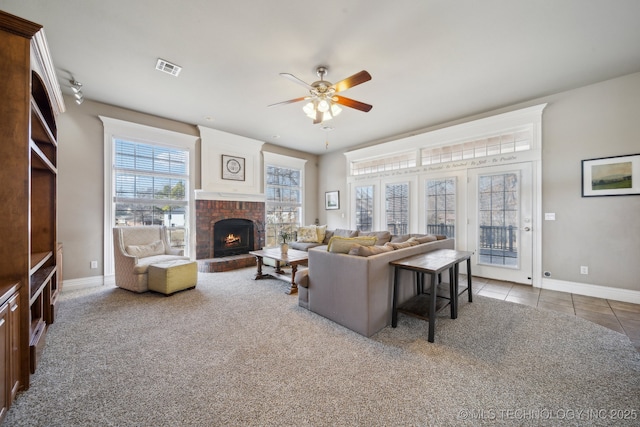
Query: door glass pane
[364,208]
[498,219]
[397,208]
[441,206]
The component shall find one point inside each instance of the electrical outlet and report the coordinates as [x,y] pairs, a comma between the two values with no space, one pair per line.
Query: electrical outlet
[94,264]
[584,269]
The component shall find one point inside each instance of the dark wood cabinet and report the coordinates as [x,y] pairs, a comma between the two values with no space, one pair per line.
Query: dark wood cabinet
[9,347]
[31,101]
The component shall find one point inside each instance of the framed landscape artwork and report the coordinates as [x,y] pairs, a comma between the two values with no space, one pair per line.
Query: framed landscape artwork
[611,176]
[332,200]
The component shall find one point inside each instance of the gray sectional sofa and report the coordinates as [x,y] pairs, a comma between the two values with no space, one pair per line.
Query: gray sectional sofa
[355,290]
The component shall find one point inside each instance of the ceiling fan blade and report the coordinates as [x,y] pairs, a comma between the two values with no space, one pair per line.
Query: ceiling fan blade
[291,101]
[352,103]
[352,81]
[296,80]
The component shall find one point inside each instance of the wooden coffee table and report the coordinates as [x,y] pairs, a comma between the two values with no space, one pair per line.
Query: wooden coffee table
[293,257]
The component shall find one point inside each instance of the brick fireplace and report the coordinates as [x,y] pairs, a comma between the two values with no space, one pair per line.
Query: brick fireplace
[209,212]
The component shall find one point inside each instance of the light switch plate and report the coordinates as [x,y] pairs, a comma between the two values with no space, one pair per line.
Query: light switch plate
[549,216]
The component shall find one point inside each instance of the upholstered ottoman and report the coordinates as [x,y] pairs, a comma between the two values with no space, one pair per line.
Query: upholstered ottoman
[172,276]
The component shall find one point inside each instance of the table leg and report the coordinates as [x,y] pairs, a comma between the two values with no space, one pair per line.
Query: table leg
[432,309]
[259,274]
[453,290]
[469,291]
[294,288]
[394,306]
[278,269]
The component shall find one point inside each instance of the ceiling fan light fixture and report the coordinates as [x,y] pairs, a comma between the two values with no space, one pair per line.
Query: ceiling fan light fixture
[323,106]
[335,109]
[310,110]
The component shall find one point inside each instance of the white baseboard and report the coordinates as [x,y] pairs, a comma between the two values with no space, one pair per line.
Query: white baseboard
[83,283]
[617,294]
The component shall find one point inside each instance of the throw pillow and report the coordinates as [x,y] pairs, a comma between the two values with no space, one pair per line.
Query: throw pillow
[426,239]
[327,236]
[413,241]
[143,251]
[322,231]
[307,234]
[342,245]
[382,236]
[400,245]
[365,251]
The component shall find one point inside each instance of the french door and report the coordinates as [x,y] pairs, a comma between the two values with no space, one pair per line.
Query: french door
[500,220]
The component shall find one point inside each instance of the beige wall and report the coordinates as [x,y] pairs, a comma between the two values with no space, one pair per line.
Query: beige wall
[603,233]
[81,180]
[590,122]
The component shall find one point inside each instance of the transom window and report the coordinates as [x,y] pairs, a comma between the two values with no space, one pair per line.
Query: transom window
[502,143]
[387,163]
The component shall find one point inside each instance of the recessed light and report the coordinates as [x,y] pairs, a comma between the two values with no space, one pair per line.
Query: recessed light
[275,136]
[208,118]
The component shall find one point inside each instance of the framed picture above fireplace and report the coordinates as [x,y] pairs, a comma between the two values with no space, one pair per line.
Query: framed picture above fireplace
[232,168]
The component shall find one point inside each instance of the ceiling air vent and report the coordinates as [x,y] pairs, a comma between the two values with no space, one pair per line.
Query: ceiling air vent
[168,67]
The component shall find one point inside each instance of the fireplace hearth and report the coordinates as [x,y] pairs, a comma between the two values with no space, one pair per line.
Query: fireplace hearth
[232,237]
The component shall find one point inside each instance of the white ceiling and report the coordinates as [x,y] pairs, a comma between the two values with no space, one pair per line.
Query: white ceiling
[431,61]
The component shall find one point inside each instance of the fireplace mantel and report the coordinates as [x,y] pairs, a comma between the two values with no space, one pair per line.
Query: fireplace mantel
[219,195]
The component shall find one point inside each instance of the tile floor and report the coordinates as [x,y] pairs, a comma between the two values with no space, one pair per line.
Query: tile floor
[623,317]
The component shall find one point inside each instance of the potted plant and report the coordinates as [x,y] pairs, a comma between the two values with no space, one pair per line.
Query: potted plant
[285,236]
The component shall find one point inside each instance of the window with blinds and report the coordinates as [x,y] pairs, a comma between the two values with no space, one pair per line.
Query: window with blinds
[151,187]
[284,202]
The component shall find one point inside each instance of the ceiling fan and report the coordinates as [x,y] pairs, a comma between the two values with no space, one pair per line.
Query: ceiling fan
[323,101]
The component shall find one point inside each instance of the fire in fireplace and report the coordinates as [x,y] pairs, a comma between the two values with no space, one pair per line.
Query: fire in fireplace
[232,237]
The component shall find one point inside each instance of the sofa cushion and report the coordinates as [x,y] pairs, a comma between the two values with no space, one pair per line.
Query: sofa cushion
[360,250]
[143,251]
[382,236]
[308,234]
[345,233]
[303,246]
[400,238]
[342,245]
[327,236]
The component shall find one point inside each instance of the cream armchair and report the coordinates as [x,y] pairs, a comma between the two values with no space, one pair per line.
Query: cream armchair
[135,248]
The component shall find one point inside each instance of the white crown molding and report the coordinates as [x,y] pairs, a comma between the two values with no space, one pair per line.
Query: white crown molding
[42,63]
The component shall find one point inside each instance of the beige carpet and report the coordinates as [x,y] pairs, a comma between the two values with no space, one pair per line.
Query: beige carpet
[236,352]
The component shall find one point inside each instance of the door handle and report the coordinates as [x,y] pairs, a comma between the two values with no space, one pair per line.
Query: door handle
[527,229]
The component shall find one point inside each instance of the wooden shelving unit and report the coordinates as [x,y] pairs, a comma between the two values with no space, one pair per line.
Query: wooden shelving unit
[29,253]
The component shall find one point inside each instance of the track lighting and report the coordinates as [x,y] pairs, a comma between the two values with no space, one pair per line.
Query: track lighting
[76,87]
